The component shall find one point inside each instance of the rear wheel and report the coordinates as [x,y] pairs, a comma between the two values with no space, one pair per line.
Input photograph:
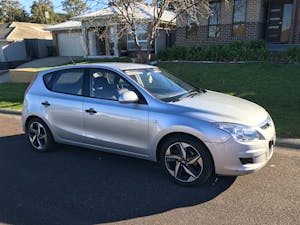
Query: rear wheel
[186,160]
[39,135]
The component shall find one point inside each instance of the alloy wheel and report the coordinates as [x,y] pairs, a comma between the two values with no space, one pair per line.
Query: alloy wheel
[183,162]
[37,135]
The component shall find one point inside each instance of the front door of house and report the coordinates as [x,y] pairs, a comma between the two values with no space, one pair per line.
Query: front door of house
[279,21]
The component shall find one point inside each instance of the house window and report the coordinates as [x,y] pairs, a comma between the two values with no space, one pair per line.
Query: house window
[239,17]
[191,31]
[141,34]
[214,19]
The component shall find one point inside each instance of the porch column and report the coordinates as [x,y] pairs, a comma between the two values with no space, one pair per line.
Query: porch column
[155,42]
[114,38]
[297,22]
[85,42]
[2,57]
[292,31]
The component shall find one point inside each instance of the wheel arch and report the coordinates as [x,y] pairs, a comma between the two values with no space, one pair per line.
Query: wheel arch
[30,118]
[37,117]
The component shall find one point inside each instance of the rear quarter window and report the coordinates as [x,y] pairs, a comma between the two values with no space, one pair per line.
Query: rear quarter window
[68,81]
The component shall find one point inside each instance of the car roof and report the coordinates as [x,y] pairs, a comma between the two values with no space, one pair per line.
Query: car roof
[122,66]
[107,65]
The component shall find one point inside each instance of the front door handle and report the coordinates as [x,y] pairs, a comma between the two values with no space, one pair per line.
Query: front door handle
[91,111]
[46,103]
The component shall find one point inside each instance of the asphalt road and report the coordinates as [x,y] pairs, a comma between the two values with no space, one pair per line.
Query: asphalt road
[78,186]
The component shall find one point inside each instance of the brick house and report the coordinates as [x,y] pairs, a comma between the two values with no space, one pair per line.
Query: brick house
[276,21]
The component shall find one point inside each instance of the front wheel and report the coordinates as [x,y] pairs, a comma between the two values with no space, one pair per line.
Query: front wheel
[186,160]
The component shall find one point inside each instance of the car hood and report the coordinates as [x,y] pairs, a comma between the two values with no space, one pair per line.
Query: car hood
[217,107]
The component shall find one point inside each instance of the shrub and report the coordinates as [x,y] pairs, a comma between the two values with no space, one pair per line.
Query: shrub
[177,52]
[292,55]
[235,51]
[259,47]
[197,53]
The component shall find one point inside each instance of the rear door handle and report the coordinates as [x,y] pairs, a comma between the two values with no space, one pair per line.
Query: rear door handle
[91,111]
[46,103]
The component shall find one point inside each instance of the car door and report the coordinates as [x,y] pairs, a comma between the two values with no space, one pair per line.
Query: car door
[62,103]
[111,124]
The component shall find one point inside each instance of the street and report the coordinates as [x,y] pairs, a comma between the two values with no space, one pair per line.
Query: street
[79,186]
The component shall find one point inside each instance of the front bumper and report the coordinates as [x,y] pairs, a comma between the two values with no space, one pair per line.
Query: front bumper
[236,158]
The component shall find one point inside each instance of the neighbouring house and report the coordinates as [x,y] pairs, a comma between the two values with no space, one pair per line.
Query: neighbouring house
[275,21]
[20,41]
[99,33]
[68,38]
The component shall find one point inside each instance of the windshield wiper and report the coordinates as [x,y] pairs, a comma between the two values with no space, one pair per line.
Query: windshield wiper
[191,93]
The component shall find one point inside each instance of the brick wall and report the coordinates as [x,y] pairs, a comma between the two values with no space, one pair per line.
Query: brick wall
[253,31]
[254,26]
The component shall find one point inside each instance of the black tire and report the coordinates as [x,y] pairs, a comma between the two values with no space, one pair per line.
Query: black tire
[47,143]
[196,147]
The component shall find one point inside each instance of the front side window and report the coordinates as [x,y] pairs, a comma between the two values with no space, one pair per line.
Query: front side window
[160,84]
[107,85]
[68,81]
[239,17]
[214,19]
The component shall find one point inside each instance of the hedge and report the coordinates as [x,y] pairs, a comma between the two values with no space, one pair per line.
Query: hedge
[236,51]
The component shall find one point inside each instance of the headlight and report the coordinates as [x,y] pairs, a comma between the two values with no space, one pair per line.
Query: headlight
[240,132]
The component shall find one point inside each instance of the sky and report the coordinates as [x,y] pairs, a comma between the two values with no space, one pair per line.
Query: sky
[56,4]
[93,5]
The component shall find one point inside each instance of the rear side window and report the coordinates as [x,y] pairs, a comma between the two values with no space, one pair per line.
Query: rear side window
[68,81]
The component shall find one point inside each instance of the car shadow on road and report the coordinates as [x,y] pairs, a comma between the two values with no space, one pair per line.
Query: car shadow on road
[79,186]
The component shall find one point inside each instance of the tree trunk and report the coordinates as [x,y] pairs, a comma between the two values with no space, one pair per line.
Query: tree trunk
[150,41]
[149,45]
[138,46]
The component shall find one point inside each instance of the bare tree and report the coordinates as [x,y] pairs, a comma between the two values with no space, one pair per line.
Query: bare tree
[155,15]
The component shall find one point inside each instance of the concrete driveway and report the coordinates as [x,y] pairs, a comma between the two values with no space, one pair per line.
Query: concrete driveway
[79,186]
[38,63]
[49,61]
[26,74]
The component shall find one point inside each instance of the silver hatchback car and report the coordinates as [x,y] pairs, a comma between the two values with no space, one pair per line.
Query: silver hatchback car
[145,112]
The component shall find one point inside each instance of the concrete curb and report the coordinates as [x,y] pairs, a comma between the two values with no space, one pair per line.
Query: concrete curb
[293,143]
[210,62]
[10,112]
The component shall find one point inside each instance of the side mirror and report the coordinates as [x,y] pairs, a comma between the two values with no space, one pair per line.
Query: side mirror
[128,97]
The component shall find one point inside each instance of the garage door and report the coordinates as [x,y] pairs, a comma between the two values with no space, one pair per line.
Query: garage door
[70,44]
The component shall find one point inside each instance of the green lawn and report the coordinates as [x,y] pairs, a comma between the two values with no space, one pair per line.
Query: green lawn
[11,96]
[273,86]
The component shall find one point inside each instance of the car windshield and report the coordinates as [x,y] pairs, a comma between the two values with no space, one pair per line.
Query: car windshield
[161,84]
